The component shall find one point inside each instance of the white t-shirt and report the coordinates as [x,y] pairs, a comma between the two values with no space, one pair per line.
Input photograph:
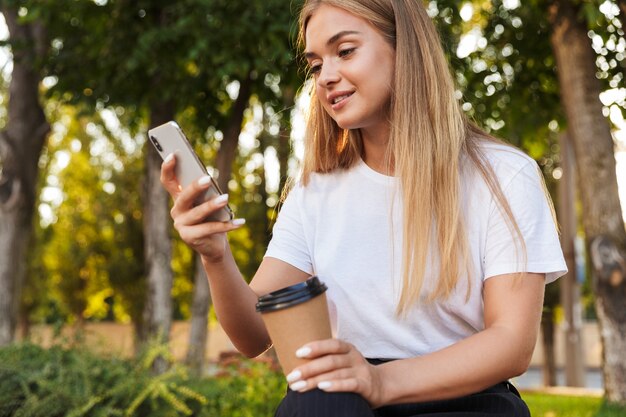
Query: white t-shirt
[339,228]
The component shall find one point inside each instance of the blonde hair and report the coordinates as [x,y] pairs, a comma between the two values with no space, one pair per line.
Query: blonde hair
[429,139]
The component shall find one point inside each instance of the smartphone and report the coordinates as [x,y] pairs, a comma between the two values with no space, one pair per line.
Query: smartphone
[169,138]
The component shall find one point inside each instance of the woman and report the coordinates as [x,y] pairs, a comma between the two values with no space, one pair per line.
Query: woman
[435,240]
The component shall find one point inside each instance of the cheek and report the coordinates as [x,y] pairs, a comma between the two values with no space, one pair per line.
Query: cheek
[319,93]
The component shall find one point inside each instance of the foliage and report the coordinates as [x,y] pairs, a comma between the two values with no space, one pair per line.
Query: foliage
[185,52]
[243,388]
[86,262]
[73,382]
[58,382]
[191,53]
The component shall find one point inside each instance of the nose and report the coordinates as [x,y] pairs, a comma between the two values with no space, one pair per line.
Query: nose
[328,75]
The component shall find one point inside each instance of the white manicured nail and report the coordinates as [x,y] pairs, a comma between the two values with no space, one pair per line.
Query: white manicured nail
[238,222]
[297,386]
[303,352]
[324,385]
[204,180]
[294,376]
[168,158]
[220,199]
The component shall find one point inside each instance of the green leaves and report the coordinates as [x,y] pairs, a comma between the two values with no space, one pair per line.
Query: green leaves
[59,382]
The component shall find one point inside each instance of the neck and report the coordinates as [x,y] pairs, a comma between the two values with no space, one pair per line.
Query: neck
[375,147]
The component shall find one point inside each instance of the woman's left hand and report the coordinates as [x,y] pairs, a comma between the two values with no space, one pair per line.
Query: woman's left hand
[337,366]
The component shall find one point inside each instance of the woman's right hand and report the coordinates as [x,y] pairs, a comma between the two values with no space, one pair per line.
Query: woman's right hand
[208,238]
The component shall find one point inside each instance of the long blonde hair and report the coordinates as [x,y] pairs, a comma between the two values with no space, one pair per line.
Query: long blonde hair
[429,139]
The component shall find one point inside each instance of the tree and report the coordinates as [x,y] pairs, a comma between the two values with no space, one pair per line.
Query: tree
[21,143]
[166,59]
[267,26]
[85,265]
[602,215]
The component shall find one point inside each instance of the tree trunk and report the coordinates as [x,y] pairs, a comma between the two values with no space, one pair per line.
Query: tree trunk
[570,287]
[200,306]
[595,160]
[547,336]
[228,147]
[224,162]
[157,315]
[21,143]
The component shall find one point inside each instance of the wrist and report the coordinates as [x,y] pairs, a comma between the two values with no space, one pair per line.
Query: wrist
[212,261]
[391,380]
[215,264]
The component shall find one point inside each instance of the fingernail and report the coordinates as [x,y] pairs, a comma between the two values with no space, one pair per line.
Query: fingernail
[238,222]
[204,180]
[324,385]
[221,199]
[297,386]
[168,158]
[294,376]
[303,352]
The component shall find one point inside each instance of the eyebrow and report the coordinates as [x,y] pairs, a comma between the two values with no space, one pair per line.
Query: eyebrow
[333,39]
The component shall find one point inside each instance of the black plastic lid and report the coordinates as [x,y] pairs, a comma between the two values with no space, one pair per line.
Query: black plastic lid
[291,296]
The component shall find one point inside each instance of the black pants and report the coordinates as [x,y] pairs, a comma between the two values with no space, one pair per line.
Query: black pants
[500,400]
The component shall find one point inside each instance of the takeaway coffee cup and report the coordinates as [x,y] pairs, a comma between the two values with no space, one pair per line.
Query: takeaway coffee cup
[294,316]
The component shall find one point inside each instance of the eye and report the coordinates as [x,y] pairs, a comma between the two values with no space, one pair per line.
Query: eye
[315,68]
[345,52]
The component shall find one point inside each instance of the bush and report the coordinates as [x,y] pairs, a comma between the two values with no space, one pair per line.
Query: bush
[74,382]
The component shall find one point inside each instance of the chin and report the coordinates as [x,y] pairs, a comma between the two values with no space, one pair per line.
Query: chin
[347,124]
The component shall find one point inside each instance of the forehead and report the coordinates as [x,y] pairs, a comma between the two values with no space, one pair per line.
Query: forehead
[327,20]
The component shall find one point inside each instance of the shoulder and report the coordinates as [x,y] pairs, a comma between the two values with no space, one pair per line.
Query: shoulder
[508,162]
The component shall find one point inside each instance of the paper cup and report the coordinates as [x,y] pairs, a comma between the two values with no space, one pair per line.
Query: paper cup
[294,316]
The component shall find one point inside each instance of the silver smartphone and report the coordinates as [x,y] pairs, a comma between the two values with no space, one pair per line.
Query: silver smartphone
[170,139]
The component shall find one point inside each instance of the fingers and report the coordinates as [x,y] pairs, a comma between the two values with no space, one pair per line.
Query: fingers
[321,366]
[168,176]
[337,380]
[197,214]
[194,235]
[332,360]
[193,226]
[323,347]
[186,198]
[337,366]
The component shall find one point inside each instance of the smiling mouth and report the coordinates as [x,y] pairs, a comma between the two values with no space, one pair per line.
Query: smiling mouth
[341,98]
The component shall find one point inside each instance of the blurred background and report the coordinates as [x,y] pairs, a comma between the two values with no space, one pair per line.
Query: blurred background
[86,242]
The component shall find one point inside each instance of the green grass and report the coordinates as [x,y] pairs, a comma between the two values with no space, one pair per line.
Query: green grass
[546,405]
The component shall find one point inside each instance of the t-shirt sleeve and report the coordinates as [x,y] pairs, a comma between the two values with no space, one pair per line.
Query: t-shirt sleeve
[531,209]
[288,241]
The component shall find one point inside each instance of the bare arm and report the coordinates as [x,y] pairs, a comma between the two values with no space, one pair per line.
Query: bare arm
[233,299]
[512,308]
[501,351]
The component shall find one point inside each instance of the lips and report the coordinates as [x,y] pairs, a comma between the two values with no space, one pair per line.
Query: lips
[337,99]
[340,98]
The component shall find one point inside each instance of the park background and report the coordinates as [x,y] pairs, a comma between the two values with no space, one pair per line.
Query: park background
[86,243]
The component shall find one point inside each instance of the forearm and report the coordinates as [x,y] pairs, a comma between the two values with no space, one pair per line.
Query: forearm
[471,365]
[234,303]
